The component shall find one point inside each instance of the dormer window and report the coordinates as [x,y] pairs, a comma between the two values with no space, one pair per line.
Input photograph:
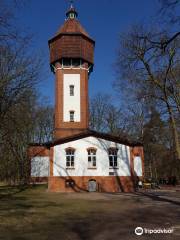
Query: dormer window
[71,90]
[71,116]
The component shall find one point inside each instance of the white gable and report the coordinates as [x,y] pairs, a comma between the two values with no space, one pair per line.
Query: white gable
[81,158]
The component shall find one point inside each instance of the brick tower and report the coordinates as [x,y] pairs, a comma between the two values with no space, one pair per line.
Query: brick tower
[71,60]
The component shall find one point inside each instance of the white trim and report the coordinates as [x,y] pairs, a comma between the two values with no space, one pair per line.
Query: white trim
[71,103]
[60,68]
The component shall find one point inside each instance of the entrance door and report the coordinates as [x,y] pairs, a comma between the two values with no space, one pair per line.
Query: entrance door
[92,185]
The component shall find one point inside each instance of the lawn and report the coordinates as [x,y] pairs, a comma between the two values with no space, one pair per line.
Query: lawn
[34,213]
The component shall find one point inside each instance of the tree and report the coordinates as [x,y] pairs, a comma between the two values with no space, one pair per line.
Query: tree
[149,73]
[108,118]
[20,68]
[28,121]
[169,10]
[158,147]
[43,123]
[23,118]
[99,106]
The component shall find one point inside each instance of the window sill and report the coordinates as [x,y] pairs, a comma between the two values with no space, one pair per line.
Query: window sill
[70,168]
[113,168]
[92,168]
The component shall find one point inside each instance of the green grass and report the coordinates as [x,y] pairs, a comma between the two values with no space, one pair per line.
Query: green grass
[34,213]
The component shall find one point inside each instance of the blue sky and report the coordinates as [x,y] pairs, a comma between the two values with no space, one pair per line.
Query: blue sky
[104,20]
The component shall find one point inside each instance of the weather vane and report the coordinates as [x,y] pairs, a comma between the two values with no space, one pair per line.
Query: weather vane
[71,2]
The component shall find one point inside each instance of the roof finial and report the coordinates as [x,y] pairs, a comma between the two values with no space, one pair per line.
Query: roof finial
[71,3]
[71,13]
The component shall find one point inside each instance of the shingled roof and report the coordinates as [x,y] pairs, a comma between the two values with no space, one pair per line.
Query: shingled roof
[88,133]
[72,26]
[72,41]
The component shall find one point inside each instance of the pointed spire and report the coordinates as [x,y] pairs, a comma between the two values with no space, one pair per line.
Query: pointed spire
[71,13]
[71,3]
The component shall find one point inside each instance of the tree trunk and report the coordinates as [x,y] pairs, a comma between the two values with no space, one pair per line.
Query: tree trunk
[175,137]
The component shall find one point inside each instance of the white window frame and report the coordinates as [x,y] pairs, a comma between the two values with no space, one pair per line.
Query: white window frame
[113,162]
[91,157]
[70,156]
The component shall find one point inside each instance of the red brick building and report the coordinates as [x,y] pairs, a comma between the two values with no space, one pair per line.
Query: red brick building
[79,159]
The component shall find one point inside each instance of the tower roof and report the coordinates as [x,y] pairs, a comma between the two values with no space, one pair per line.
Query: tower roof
[72,26]
[71,41]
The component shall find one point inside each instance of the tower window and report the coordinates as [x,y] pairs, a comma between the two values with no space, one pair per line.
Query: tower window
[75,62]
[71,116]
[66,62]
[71,15]
[113,157]
[91,157]
[71,89]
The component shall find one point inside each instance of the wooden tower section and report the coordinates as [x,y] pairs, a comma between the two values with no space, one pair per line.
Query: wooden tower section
[71,60]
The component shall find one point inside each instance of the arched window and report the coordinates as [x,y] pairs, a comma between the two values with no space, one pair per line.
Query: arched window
[70,157]
[113,157]
[91,157]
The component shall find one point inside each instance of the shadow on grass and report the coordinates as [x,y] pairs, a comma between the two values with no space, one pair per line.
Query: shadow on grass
[157,198]
[10,191]
[54,216]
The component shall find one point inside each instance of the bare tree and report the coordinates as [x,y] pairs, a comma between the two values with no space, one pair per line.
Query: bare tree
[99,106]
[20,67]
[149,73]
[20,113]
[169,11]
[43,123]
[106,117]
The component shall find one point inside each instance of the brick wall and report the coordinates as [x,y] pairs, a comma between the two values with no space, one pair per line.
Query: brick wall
[41,151]
[64,129]
[104,184]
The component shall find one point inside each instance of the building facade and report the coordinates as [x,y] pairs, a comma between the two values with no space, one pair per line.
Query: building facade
[79,159]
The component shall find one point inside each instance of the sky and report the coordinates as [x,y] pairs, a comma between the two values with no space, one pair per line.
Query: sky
[104,20]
